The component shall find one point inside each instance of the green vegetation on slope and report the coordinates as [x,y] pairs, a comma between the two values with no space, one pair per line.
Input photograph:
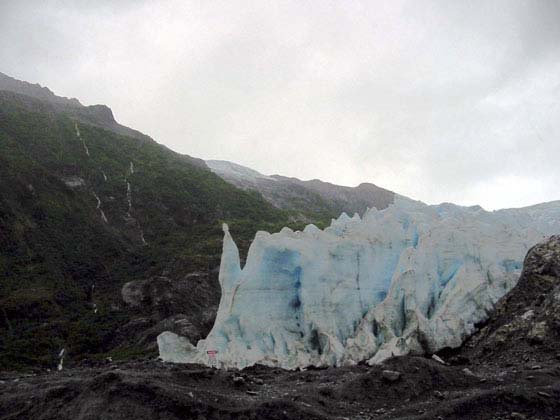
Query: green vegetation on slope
[59,259]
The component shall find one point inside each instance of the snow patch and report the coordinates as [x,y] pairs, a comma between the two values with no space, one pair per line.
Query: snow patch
[74,181]
[232,170]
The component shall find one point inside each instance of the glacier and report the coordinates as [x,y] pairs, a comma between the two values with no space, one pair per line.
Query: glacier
[412,278]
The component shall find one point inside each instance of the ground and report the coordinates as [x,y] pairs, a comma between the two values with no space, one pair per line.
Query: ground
[149,389]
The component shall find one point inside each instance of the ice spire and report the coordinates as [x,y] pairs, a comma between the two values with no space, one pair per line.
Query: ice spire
[230,266]
[230,271]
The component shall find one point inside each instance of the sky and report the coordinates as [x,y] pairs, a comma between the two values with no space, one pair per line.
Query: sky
[441,101]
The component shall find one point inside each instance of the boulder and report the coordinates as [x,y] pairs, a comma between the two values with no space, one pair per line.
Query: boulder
[390,375]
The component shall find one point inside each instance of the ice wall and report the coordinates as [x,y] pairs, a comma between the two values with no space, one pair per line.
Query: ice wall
[411,278]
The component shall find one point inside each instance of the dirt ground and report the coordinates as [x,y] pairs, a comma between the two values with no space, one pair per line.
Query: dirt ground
[149,389]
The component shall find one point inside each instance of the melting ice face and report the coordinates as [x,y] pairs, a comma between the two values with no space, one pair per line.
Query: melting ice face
[411,278]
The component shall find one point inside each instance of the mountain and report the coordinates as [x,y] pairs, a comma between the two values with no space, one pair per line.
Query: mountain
[97,115]
[309,199]
[37,91]
[411,278]
[88,205]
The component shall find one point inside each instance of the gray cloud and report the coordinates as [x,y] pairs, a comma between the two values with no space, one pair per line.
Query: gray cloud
[438,100]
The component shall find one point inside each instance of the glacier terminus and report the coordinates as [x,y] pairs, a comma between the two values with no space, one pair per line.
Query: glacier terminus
[410,279]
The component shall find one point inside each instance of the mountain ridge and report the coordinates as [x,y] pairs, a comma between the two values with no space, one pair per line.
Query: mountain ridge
[290,193]
[35,96]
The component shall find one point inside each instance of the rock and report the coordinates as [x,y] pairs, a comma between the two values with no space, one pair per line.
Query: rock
[238,380]
[535,367]
[185,306]
[468,372]
[459,360]
[258,381]
[391,375]
[145,330]
[543,259]
[528,315]
[439,395]
[526,318]
[438,359]
[544,394]
[165,297]
[538,333]
[156,292]
[517,416]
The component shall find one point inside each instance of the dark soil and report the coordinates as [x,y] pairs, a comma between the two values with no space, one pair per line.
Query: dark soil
[154,390]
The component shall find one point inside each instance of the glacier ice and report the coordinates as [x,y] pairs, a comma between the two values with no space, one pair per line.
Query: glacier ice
[411,278]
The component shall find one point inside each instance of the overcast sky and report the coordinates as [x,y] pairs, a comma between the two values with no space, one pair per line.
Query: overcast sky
[437,100]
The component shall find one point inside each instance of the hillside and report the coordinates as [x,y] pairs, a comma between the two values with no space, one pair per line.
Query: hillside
[87,205]
[308,199]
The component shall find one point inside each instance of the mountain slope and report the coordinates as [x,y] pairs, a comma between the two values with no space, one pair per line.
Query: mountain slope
[84,209]
[308,198]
